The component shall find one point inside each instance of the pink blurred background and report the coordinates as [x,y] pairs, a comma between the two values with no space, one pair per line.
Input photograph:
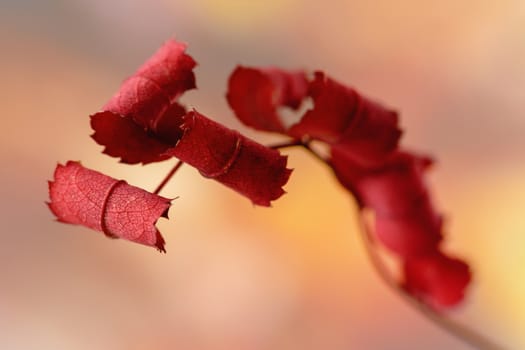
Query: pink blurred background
[238,277]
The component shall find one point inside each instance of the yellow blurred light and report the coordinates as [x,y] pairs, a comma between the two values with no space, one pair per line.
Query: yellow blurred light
[239,13]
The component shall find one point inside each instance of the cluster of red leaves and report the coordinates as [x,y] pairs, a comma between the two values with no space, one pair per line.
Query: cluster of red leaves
[144,123]
[366,158]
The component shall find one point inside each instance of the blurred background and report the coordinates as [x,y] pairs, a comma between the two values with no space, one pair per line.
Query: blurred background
[237,277]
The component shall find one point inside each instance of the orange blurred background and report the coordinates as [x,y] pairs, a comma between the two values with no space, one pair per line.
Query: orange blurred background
[237,277]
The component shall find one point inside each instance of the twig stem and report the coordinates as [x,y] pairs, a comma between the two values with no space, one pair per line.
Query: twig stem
[287,144]
[168,177]
[460,331]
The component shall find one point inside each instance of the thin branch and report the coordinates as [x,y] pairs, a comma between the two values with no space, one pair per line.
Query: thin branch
[304,143]
[460,331]
[168,177]
[313,152]
[287,144]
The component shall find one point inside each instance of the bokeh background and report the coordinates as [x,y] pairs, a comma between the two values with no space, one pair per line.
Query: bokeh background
[237,277]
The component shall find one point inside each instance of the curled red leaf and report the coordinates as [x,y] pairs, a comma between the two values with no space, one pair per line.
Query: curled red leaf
[124,138]
[438,279]
[256,94]
[88,198]
[406,222]
[391,188]
[363,130]
[417,233]
[159,82]
[405,219]
[334,110]
[254,170]
[140,122]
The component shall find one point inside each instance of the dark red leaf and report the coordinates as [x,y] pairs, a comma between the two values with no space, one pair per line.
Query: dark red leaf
[405,219]
[256,94]
[366,131]
[335,106]
[141,121]
[254,170]
[416,233]
[372,136]
[392,188]
[125,139]
[438,279]
[86,197]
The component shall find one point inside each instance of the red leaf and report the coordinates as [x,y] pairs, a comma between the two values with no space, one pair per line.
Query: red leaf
[86,197]
[157,83]
[366,131]
[334,109]
[372,136]
[123,138]
[256,94]
[414,234]
[254,170]
[437,278]
[141,121]
[392,188]
[405,219]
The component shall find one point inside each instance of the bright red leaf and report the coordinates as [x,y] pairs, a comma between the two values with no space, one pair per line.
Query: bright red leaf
[159,82]
[254,170]
[86,197]
[438,279]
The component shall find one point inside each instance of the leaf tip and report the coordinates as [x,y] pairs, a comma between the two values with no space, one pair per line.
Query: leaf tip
[159,244]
